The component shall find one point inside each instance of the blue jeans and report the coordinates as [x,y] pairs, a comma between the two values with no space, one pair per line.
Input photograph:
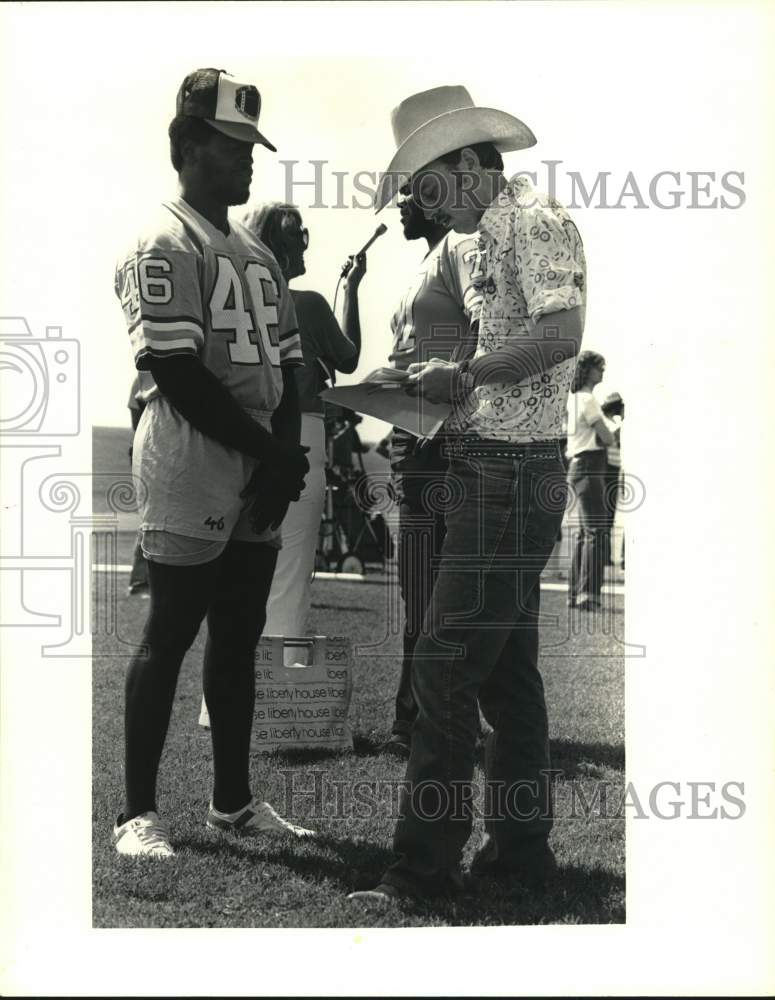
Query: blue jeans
[613,474]
[419,480]
[586,475]
[480,641]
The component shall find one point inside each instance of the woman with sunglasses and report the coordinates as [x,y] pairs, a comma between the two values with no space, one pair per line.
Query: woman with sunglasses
[326,350]
[588,437]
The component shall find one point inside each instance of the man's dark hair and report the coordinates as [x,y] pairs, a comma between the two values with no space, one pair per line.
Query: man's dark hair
[184,128]
[489,157]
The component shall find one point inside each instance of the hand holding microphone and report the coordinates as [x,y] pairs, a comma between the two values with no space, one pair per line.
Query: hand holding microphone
[354,270]
[355,265]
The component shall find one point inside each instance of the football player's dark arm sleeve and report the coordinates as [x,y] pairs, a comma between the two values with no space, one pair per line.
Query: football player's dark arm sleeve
[208,405]
[286,419]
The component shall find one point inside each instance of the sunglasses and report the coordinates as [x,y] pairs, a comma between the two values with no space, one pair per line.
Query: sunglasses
[294,232]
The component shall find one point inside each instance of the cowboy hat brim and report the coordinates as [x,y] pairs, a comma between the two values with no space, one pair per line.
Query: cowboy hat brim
[452,130]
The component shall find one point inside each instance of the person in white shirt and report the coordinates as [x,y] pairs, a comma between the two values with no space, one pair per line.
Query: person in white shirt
[589,435]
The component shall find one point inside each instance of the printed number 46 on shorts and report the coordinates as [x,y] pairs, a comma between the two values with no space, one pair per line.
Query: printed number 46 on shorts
[213,524]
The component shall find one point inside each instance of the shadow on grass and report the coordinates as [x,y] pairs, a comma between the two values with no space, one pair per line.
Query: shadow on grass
[323,856]
[366,746]
[577,759]
[304,755]
[574,759]
[579,894]
[363,746]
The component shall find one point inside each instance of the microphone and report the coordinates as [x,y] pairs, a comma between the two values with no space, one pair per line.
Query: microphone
[379,231]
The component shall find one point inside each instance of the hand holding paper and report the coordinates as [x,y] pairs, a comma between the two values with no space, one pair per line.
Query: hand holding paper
[433,380]
[376,396]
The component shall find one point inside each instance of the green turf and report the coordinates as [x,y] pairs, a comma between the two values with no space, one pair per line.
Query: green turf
[221,882]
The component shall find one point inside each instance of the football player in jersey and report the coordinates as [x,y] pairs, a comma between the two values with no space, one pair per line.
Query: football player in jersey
[216,453]
[436,318]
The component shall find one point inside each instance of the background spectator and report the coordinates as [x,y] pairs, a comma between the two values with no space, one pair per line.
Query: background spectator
[326,350]
[588,438]
[613,410]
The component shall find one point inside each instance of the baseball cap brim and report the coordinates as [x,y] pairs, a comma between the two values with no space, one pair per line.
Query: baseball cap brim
[245,133]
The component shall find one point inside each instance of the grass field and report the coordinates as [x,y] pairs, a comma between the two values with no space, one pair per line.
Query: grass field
[261,882]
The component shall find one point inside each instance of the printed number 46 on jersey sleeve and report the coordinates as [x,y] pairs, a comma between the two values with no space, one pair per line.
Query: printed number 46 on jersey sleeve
[146,279]
[149,281]
[231,316]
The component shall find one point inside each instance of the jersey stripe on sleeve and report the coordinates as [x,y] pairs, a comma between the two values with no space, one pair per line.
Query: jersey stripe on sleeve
[290,348]
[161,339]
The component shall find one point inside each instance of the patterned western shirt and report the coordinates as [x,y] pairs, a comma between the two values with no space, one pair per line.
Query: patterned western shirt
[531,263]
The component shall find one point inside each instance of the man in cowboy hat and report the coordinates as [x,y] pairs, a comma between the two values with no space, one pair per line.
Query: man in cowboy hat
[436,314]
[480,637]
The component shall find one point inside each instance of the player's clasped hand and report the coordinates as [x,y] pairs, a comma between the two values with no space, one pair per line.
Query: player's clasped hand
[268,511]
[275,484]
[288,465]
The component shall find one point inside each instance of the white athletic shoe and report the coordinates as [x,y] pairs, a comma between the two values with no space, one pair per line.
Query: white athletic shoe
[144,836]
[256,817]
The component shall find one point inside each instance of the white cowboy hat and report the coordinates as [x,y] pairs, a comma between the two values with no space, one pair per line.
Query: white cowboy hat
[434,122]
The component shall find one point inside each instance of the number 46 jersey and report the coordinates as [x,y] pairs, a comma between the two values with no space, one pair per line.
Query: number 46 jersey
[186,288]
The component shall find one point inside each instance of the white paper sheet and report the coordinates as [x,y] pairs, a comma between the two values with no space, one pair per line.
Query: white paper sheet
[381,395]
